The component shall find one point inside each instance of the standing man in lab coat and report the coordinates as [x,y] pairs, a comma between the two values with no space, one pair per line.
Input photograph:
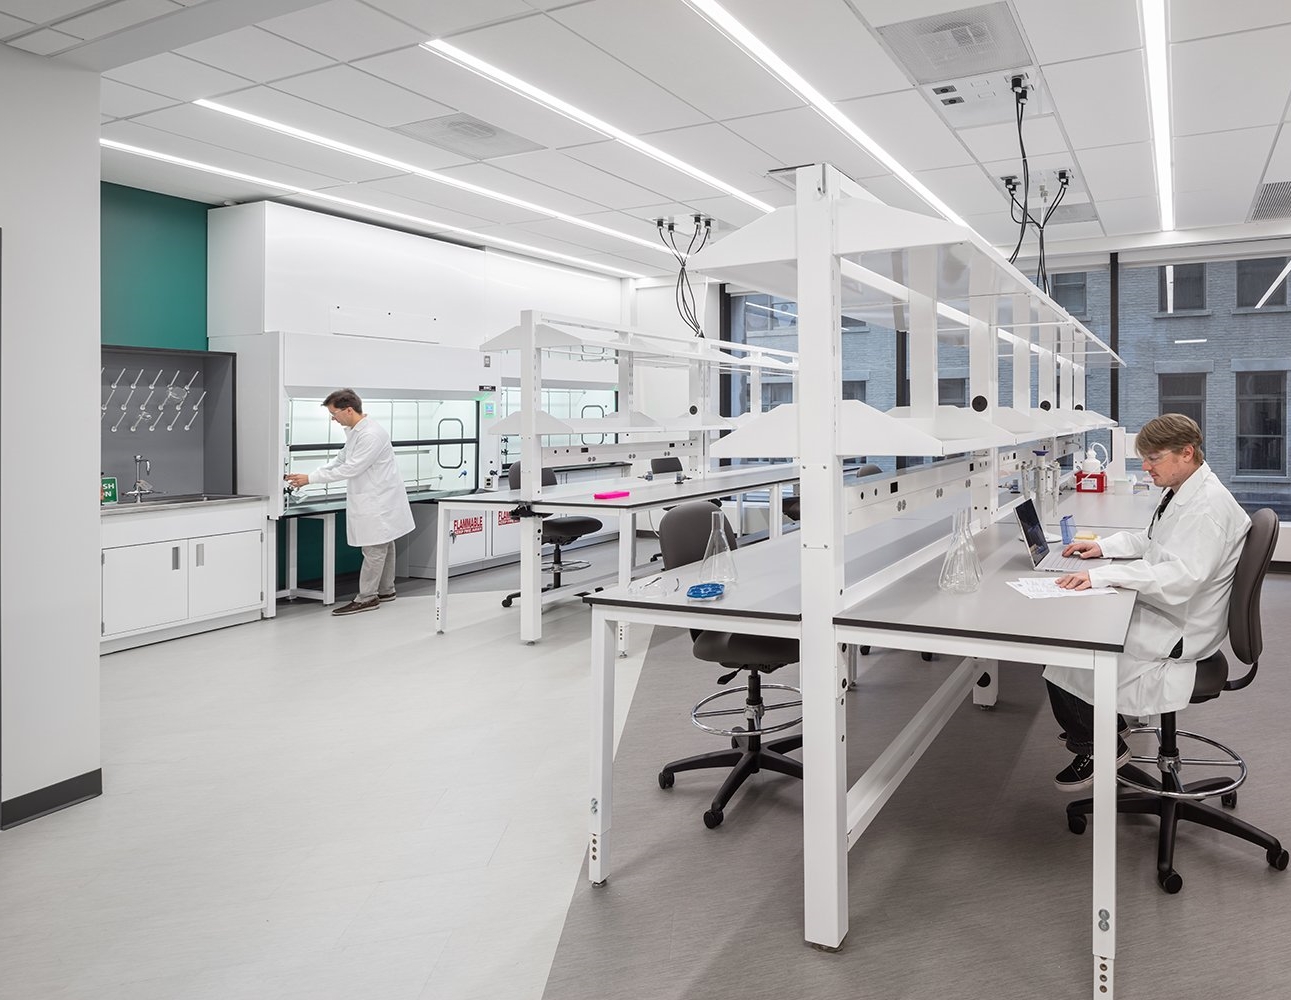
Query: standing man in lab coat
[1182,566]
[376,508]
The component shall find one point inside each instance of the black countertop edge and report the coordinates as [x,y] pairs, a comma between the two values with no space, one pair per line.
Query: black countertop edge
[973,634]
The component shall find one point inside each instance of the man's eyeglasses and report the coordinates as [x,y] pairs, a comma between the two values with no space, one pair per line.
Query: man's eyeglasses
[1155,458]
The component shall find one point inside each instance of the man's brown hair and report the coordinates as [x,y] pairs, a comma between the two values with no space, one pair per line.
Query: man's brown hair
[345,399]
[1169,432]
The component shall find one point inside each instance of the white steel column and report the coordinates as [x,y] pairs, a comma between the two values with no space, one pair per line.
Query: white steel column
[983,387]
[923,331]
[1022,353]
[530,480]
[602,776]
[443,539]
[1104,901]
[824,674]
[1066,370]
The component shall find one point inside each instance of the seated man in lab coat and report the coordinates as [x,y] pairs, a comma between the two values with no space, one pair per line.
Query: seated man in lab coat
[1182,566]
[376,505]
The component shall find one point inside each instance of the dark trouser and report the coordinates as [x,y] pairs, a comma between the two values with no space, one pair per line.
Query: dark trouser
[1076,716]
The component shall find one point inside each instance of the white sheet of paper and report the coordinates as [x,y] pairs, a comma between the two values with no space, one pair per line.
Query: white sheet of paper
[1038,587]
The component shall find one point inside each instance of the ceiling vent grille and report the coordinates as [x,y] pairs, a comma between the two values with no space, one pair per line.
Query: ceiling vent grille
[1065,214]
[963,43]
[467,136]
[1273,202]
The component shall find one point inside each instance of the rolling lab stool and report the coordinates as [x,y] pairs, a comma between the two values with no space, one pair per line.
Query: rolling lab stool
[683,535]
[667,466]
[1168,796]
[556,531]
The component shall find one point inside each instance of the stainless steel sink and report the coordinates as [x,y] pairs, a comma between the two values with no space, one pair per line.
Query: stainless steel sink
[154,499]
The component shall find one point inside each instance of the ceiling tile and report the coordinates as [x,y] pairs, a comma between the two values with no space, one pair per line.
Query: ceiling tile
[1203,209]
[45,41]
[491,177]
[299,113]
[803,136]
[996,228]
[135,134]
[371,193]
[998,142]
[568,174]
[1121,216]
[1118,171]
[208,126]
[1100,27]
[12,25]
[879,12]
[46,11]
[908,129]
[120,100]
[1279,168]
[177,77]
[1041,161]
[968,190]
[589,241]
[1058,233]
[892,191]
[1199,18]
[122,14]
[635,168]
[671,44]
[344,30]
[1212,87]
[825,42]
[178,182]
[422,72]
[436,20]
[1084,90]
[363,96]
[438,195]
[255,54]
[1222,161]
[545,54]
[718,151]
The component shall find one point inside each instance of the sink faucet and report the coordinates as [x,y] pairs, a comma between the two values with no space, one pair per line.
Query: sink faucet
[141,485]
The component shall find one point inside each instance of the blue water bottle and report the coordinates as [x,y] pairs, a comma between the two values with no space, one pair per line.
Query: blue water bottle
[1068,529]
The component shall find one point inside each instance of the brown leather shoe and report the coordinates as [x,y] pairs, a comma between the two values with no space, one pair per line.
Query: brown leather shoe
[386,597]
[354,607]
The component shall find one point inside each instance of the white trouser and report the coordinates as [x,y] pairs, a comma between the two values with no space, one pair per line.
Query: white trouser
[377,575]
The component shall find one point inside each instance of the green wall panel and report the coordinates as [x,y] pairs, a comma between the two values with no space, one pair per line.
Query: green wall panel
[309,551]
[153,269]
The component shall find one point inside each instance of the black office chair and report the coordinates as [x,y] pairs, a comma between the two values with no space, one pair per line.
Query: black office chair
[683,535]
[1169,797]
[556,531]
[668,465]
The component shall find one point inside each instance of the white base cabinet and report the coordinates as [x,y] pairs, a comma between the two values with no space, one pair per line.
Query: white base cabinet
[172,571]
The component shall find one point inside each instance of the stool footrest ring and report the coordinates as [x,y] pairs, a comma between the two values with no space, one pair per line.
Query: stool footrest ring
[696,713]
[1233,760]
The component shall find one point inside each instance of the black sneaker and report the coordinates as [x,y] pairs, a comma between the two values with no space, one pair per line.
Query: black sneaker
[1080,772]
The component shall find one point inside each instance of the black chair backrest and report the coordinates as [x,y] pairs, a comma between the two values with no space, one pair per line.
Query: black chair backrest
[684,531]
[671,463]
[868,469]
[513,476]
[1244,632]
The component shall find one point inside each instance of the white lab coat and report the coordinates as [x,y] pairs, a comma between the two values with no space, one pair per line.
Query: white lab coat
[1183,572]
[376,506]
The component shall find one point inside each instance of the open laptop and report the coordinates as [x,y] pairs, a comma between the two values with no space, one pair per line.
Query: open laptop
[1042,557]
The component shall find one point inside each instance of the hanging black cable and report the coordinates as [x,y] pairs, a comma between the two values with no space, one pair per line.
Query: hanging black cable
[683,293]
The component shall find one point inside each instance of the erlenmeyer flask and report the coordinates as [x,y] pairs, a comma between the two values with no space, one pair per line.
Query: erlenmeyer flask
[718,565]
[961,571]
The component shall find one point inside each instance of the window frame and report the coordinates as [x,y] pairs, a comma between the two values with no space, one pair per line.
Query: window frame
[1239,400]
[1166,300]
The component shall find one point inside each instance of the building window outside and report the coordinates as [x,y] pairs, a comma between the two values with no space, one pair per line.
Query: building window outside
[854,389]
[1186,394]
[1261,423]
[952,392]
[1068,290]
[776,394]
[1182,288]
[1254,278]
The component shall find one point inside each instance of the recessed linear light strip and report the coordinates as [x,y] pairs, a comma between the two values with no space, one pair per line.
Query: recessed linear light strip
[723,21]
[430,175]
[1274,287]
[1155,49]
[553,103]
[332,199]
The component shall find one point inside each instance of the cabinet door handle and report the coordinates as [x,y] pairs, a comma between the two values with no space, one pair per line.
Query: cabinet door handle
[201,553]
[174,557]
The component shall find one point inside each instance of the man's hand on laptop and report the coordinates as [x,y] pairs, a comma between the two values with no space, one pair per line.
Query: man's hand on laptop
[1074,581]
[1086,550]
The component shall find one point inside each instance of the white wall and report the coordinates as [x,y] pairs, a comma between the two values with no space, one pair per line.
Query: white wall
[49,442]
[665,392]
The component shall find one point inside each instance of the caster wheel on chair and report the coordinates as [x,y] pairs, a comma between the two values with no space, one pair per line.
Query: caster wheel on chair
[506,602]
[1076,823]
[1228,801]
[666,778]
[927,657]
[713,818]
[1277,858]
[1170,881]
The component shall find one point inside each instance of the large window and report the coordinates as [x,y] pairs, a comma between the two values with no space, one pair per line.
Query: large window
[1186,394]
[1261,423]
[1256,277]
[1182,288]
[1068,290]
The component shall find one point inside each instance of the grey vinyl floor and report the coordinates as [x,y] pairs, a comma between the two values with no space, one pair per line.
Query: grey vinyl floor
[968,884]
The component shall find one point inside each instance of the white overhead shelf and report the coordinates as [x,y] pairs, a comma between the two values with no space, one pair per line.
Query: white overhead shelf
[614,423]
[958,429]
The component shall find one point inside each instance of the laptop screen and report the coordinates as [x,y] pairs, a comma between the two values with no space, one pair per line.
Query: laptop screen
[1032,531]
